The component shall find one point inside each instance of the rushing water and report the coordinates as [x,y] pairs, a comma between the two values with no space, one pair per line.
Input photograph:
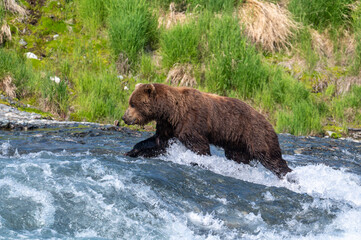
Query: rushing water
[75,183]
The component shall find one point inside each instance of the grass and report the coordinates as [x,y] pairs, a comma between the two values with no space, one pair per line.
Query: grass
[92,13]
[323,13]
[232,64]
[132,28]
[347,108]
[105,47]
[198,5]
[2,13]
[357,29]
[99,96]
[302,118]
[16,66]
[180,44]
[267,25]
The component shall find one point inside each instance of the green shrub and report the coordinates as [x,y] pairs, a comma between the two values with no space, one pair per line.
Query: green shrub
[180,44]
[322,13]
[233,64]
[92,13]
[132,28]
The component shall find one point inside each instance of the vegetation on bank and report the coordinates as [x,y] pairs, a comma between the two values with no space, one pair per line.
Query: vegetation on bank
[299,69]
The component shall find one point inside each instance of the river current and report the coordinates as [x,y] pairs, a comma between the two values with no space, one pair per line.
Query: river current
[75,183]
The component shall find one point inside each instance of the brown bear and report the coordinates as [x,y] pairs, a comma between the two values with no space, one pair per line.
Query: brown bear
[198,119]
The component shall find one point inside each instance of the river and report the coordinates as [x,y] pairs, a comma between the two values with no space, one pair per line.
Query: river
[75,183]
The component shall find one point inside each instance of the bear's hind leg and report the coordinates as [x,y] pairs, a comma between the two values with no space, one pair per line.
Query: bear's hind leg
[238,156]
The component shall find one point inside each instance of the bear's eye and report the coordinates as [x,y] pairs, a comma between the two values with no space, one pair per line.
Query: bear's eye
[132,105]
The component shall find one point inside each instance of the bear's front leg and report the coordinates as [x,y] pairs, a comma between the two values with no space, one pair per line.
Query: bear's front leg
[150,147]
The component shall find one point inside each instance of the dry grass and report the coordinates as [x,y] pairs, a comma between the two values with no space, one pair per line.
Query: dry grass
[5,33]
[267,25]
[12,6]
[322,43]
[172,17]
[8,86]
[181,75]
[344,84]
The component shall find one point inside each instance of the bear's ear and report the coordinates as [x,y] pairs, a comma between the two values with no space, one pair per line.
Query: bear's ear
[149,89]
[138,85]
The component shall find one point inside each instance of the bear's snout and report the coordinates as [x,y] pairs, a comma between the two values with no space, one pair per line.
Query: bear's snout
[130,117]
[126,118]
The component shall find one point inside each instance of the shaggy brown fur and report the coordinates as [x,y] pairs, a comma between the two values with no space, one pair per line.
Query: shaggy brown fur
[198,119]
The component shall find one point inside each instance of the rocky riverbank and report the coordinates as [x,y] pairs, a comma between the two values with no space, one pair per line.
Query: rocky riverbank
[13,119]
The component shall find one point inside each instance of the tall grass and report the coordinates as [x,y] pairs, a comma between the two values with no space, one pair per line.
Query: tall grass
[100,96]
[322,13]
[190,5]
[54,96]
[92,13]
[180,44]
[214,5]
[302,119]
[50,95]
[233,64]
[357,30]
[2,13]
[15,65]
[347,108]
[132,28]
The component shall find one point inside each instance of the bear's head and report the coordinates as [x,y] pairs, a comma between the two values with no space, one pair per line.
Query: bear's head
[141,105]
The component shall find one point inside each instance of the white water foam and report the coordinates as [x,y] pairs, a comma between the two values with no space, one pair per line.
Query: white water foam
[322,182]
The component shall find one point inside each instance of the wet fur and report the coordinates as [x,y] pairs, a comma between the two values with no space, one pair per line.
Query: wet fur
[198,119]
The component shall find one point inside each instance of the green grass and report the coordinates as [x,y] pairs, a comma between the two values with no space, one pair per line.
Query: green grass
[132,28]
[87,59]
[357,30]
[100,96]
[92,13]
[15,65]
[198,5]
[347,108]
[322,13]
[303,118]
[2,13]
[233,64]
[180,44]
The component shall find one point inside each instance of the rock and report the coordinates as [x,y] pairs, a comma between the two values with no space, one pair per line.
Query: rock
[55,79]
[55,36]
[22,42]
[31,55]
[120,77]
